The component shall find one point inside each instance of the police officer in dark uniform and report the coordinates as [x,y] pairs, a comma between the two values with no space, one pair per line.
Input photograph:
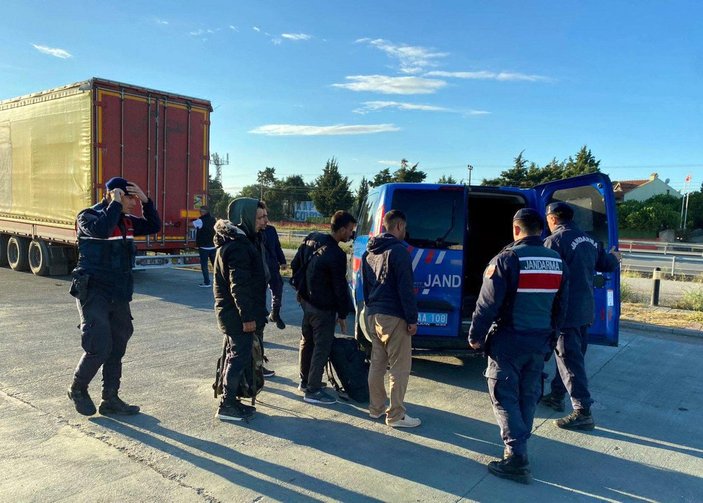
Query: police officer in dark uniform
[583,256]
[524,291]
[102,285]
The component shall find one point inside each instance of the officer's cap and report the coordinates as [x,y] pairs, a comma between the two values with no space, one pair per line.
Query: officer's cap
[561,210]
[530,217]
[117,183]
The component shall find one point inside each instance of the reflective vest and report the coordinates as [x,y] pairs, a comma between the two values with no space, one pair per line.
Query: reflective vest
[539,280]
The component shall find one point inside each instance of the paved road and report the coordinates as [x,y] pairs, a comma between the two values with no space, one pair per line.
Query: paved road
[648,445]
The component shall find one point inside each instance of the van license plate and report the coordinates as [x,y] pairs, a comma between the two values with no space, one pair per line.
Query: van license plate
[432,319]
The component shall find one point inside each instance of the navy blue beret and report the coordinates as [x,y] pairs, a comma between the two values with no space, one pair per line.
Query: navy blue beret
[561,209]
[117,183]
[529,215]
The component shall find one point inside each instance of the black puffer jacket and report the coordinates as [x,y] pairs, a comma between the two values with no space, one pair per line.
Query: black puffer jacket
[239,278]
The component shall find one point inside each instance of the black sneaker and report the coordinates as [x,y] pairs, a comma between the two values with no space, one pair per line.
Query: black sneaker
[82,401]
[513,467]
[268,372]
[234,411]
[553,401]
[303,386]
[577,420]
[113,404]
[320,397]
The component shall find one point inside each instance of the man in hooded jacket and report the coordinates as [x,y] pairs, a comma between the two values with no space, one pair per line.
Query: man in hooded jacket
[391,309]
[240,280]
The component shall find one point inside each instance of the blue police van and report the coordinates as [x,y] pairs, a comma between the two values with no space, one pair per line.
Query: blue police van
[454,231]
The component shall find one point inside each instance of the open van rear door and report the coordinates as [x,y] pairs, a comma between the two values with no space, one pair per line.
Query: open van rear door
[593,201]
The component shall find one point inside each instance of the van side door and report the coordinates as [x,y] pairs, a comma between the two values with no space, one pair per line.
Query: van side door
[591,196]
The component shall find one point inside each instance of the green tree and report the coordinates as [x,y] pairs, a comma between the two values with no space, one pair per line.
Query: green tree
[411,174]
[513,177]
[331,190]
[218,198]
[583,164]
[383,176]
[446,179]
[360,195]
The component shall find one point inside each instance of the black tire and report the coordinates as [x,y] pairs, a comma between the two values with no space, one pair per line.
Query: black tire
[39,257]
[17,253]
[3,250]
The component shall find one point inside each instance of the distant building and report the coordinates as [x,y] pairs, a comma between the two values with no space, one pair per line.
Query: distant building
[641,190]
[302,210]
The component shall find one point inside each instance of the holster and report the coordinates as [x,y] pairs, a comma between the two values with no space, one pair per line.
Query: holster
[79,284]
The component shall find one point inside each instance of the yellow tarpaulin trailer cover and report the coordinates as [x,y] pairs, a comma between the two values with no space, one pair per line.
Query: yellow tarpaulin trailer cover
[45,156]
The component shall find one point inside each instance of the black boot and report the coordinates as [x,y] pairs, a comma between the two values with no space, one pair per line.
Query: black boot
[81,400]
[113,404]
[579,419]
[234,410]
[554,401]
[514,467]
[276,316]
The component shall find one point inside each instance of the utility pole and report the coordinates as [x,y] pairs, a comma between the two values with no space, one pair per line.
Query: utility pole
[470,168]
[219,161]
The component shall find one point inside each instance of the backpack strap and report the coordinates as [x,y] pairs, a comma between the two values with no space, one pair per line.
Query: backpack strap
[337,387]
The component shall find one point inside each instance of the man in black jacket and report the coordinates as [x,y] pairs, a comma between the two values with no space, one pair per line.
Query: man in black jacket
[240,297]
[204,234]
[325,300]
[102,284]
[391,310]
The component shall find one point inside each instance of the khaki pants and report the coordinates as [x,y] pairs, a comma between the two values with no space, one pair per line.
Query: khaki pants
[391,349]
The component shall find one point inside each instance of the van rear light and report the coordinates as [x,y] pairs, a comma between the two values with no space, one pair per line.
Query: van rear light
[356,264]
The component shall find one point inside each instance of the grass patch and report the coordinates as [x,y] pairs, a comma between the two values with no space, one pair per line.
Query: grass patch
[692,299]
[627,294]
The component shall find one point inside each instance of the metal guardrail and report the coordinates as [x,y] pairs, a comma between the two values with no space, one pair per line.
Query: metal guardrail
[660,247]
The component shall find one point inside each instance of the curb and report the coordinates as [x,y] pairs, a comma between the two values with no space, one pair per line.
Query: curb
[644,327]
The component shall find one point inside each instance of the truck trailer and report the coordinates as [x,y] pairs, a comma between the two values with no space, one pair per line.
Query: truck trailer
[59,147]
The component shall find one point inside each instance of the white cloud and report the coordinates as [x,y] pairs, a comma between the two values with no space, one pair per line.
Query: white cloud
[486,75]
[53,51]
[296,36]
[233,28]
[256,28]
[389,163]
[391,85]
[373,106]
[203,31]
[161,21]
[476,112]
[412,59]
[335,130]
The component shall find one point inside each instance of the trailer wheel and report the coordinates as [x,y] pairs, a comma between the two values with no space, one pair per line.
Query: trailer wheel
[17,253]
[3,249]
[39,257]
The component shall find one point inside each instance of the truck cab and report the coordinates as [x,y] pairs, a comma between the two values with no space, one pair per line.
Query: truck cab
[454,231]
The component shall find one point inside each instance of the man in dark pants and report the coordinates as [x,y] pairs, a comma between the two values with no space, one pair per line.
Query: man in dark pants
[240,297]
[524,292]
[275,259]
[325,300]
[102,285]
[204,234]
[583,256]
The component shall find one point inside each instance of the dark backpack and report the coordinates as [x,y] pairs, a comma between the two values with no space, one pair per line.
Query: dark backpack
[350,365]
[307,250]
[252,380]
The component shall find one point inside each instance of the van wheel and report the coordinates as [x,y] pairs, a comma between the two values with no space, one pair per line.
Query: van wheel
[3,249]
[39,258]
[17,253]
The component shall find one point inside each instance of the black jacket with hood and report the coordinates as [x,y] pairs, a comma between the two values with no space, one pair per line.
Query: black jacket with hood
[388,279]
[240,274]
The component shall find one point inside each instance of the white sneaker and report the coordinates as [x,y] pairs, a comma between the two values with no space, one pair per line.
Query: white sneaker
[406,422]
[205,285]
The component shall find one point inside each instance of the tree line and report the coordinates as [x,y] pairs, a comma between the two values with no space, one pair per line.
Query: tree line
[331,191]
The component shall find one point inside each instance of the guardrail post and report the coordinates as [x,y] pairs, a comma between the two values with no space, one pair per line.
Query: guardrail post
[673,266]
[656,281]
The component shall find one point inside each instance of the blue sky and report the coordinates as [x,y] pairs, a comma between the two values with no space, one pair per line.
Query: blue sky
[443,83]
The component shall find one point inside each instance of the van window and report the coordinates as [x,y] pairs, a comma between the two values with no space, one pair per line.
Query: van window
[366,213]
[589,210]
[436,218]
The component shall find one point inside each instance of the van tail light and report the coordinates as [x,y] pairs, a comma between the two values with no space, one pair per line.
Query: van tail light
[356,264]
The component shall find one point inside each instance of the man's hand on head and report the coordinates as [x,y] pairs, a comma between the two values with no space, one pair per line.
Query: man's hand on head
[135,190]
[116,195]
